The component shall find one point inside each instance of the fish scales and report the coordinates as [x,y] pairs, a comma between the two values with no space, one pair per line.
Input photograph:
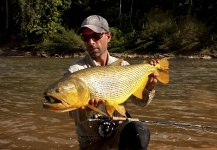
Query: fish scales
[114,83]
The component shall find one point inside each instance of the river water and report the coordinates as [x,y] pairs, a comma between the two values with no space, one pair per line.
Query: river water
[190,97]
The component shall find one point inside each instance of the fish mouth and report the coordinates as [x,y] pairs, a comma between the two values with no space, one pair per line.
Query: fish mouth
[57,105]
[52,100]
[54,104]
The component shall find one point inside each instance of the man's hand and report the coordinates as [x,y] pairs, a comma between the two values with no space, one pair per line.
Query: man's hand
[153,77]
[93,102]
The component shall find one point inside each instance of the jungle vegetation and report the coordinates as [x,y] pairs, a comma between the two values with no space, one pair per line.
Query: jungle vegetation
[138,26]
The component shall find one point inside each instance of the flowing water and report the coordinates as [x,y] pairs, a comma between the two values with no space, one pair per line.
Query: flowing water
[190,97]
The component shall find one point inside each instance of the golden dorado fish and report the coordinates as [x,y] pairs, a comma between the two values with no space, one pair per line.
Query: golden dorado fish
[113,84]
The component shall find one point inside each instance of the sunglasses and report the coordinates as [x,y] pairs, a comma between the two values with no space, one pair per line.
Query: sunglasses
[94,36]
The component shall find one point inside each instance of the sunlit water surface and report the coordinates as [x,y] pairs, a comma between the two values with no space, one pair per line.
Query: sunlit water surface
[190,97]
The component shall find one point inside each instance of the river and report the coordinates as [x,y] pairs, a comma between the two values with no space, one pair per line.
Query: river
[190,97]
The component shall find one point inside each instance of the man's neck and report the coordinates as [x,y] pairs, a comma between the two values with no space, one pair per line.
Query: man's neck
[102,60]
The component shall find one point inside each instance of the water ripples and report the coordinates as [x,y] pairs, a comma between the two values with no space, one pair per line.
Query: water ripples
[190,97]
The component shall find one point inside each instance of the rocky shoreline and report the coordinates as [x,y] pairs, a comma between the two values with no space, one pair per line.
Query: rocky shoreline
[18,53]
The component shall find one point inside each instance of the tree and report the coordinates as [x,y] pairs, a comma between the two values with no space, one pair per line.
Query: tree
[40,18]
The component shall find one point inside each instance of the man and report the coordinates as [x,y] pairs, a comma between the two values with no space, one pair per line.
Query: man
[128,134]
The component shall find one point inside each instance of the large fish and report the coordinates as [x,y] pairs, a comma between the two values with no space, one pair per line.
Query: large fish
[113,84]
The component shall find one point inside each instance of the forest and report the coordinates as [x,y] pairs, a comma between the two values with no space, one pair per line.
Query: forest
[138,26]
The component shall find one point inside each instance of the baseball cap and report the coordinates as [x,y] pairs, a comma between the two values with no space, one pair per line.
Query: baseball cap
[95,23]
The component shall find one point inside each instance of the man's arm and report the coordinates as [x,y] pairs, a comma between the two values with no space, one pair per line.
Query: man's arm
[147,97]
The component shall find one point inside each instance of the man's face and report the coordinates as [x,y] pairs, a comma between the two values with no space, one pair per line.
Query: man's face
[96,43]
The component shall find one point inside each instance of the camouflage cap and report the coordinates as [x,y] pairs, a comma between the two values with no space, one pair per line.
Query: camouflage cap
[95,23]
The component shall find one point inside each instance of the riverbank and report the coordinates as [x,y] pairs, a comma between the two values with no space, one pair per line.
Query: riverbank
[8,52]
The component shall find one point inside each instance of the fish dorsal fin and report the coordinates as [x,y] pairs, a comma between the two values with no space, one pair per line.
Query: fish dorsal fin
[97,110]
[138,92]
[163,71]
[117,62]
[110,109]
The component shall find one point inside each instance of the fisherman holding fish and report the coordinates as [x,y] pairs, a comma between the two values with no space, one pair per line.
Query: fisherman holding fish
[127,134]
[95,90]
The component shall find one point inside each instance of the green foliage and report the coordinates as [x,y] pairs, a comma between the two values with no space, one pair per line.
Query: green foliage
[62,42]
[125,23]
[117,42]
[138,26]
[189,36]
[40,18]
[155,34]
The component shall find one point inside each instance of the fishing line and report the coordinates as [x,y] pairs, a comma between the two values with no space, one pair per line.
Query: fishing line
[179,124]
[166,123]
[210,131]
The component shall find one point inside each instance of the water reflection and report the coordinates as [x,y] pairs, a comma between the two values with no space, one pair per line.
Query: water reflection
[190,97]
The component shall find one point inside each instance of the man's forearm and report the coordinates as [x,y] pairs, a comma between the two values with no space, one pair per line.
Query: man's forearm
[147,97]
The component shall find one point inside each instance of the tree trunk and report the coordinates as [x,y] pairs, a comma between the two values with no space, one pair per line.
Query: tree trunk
[6,16]
[131,10]
[120,12]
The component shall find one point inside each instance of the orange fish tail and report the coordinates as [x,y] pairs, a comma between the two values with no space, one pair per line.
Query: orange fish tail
[163,71]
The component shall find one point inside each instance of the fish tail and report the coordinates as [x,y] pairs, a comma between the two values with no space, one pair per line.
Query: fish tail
[163,71]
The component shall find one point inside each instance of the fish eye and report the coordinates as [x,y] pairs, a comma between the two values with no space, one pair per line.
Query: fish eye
[57,90]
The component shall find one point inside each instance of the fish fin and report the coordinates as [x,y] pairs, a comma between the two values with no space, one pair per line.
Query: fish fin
[163,71]
[97,110]
[120,109]
[138,92]
[164,63]
[117,62]
[110,109]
